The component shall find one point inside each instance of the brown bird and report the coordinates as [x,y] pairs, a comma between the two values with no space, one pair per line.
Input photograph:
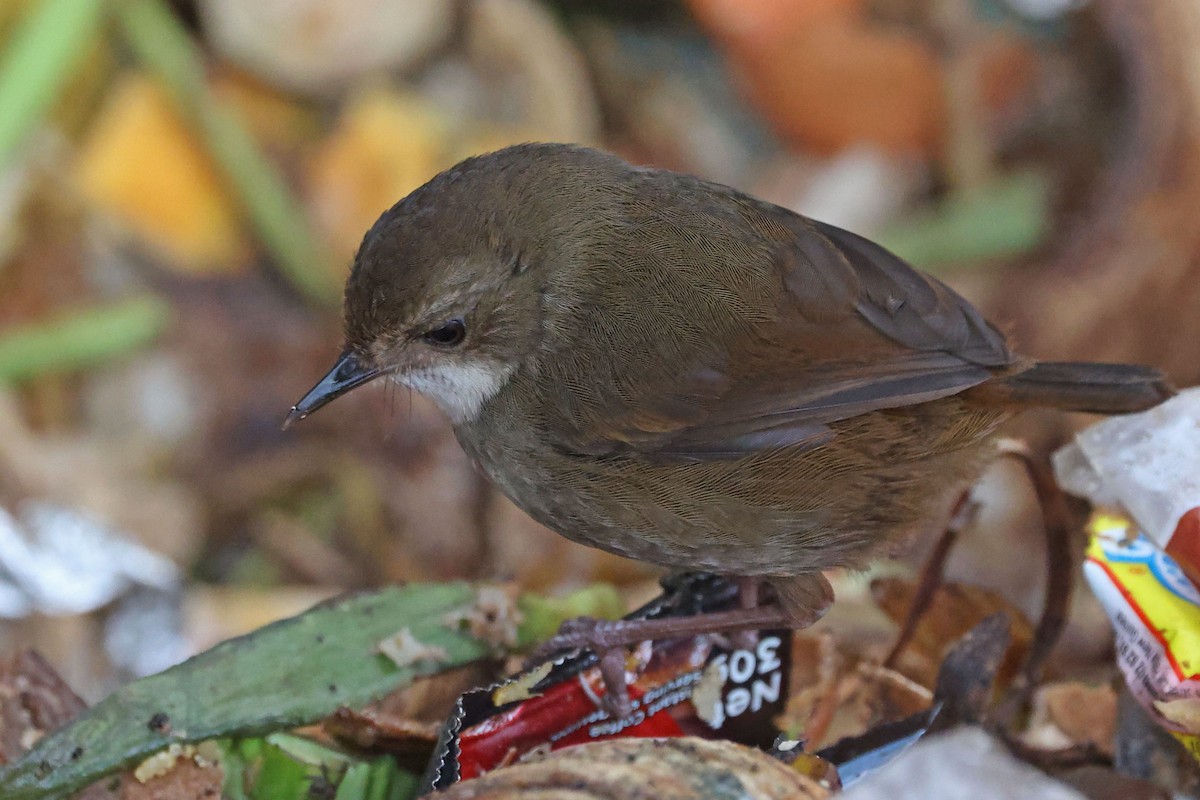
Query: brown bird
[674,371]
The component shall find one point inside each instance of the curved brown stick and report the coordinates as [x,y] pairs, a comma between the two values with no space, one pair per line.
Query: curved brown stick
[1060,575]
[931,574]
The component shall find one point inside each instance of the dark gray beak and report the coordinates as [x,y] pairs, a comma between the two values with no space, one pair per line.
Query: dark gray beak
[345,375]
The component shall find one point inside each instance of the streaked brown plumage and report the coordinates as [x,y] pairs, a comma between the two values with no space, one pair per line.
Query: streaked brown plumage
[677,372]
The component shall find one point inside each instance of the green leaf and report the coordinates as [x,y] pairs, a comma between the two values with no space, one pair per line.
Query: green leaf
[36,64]
[356,785]
[80,339]
[284,675]
[1006,217]
[541,616]
[237,758]
[288,767]
[162,43]
[306,751]
[378,780]
[278,776]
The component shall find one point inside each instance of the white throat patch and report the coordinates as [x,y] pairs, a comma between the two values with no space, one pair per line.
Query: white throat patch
[459,389]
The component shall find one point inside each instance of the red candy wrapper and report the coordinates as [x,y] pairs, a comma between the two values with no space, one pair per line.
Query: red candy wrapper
[689,686]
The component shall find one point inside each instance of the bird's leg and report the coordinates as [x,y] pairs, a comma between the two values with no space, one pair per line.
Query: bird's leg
[612,672]
[749,591]
[801,601]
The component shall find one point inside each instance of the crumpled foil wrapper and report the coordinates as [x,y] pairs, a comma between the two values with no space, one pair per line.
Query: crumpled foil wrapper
[57,561]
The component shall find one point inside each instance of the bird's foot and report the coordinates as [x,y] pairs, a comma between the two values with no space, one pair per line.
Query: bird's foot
[608,639]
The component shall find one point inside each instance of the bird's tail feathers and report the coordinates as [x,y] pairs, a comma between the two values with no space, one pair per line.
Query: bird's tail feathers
[1079,386]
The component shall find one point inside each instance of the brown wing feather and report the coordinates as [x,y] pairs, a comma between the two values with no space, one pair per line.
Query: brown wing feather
[856,330]
[912,308]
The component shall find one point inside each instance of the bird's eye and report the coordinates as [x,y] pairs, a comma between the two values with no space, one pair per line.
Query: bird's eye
[448,335]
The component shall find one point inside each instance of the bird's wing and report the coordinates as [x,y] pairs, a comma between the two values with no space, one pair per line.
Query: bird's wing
[857,330]
[909,307]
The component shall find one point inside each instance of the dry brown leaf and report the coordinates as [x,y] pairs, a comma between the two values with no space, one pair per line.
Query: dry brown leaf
[954,610]
[1184,712]
[836,693]
[431,699]
[406,723]
[1072,713]
[372,730]
[33,702]
[684,768]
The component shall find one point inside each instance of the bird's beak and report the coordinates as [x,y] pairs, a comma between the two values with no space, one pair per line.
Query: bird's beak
[347,373]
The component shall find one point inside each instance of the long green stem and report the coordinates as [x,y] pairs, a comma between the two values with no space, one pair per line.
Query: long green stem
[38,61]
[161,42]
[79,339]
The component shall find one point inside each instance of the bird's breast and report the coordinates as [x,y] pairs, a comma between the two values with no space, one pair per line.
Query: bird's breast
[777,512]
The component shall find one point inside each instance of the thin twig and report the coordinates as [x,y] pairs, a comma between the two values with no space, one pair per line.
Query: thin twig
[931,575]
[1060,574]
